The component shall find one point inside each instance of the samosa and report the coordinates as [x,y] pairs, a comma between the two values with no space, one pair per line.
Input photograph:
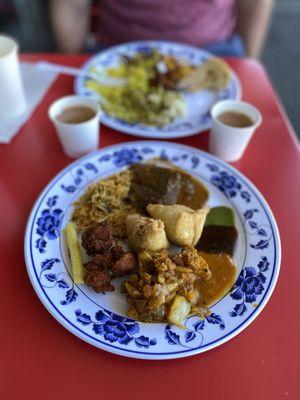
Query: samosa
[183,225]
[145,233]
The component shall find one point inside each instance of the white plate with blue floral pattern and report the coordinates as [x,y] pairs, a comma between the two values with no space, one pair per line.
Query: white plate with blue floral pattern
[198,105]
[100,319]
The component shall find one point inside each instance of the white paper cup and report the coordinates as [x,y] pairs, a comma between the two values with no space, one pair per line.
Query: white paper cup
[228,142]
[12,97]
[80,138]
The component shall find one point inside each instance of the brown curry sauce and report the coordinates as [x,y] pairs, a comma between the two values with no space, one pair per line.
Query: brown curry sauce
[165,184]
[223,277]
[193,193]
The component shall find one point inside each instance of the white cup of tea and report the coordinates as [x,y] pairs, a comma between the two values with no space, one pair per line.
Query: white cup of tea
[76,119]
[233,124]
[12,97]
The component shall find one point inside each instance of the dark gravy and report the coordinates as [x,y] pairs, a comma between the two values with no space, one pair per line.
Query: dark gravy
[235,119]
[76,114]
[161,182]
[218,239]
[193,193]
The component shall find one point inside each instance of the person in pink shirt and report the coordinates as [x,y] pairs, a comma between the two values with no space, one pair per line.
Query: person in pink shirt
[225,27]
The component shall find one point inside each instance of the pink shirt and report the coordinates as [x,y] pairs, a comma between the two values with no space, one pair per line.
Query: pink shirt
[196,22]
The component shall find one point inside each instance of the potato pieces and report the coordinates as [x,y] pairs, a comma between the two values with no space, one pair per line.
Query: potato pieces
[179,310]
[182,224]
[74,250]
[145,233]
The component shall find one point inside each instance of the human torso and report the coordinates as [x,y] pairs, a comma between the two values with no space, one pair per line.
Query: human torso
[196,22]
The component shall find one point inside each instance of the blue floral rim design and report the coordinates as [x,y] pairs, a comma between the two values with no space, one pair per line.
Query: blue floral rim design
[123,351]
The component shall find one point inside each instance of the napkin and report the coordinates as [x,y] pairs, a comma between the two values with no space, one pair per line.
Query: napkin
[36,83]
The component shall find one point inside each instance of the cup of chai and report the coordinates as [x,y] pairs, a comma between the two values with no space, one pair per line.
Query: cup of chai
[12,97]
[76,119]
[233,124]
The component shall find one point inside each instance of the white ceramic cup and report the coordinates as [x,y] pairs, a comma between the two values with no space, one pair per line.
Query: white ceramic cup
[12,97]
[228,142]
[80,138]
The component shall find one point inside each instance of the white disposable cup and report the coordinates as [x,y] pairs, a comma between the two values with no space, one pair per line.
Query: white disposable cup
[228,142]
[12,97]
[76,139]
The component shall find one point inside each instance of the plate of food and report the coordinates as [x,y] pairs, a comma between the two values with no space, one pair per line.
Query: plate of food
[152,250]
[158,89]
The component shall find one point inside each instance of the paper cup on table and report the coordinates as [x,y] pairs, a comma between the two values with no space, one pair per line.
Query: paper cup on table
[12,97]
[229,142]
[80,138]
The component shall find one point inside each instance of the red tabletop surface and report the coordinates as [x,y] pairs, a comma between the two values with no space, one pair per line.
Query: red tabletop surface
[41,359]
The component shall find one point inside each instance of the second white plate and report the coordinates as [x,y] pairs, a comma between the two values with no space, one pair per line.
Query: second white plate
[198,117]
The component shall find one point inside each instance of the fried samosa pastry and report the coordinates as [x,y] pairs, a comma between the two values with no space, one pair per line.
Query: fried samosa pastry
[214,74]
[145,233]
[182,224]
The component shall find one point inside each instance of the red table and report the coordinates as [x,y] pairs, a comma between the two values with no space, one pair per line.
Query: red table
[40,359]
